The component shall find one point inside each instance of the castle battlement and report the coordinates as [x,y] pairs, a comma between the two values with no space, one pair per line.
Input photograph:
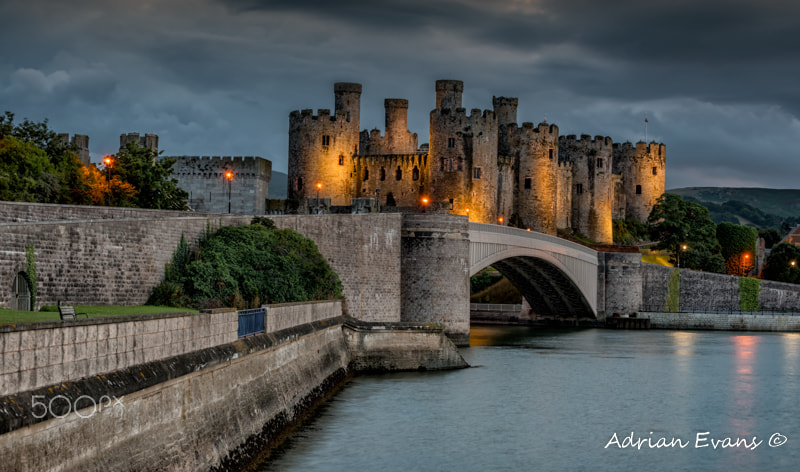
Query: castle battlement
[300,117]
[529,131]
[599,144]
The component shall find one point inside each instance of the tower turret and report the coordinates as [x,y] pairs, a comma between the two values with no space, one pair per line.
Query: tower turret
[643,178]
[448,93]
[348,99]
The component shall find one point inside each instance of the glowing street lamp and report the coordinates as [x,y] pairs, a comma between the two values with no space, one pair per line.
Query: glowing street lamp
[793,264]
[108,161]
[467,214]
[500,220]
[745,263]
[684,247]
[229,177]
[319,187]
[424,201]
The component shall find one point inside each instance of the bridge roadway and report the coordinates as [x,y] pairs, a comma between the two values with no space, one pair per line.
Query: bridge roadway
[556,276]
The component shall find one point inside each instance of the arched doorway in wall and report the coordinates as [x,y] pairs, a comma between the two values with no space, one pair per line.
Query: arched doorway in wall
[21,293]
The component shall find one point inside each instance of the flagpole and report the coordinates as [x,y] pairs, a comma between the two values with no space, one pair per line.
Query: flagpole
[645,128]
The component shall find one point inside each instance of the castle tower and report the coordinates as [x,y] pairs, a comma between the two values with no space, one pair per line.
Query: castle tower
[148,141]
[81,143]
[347,98]
[321,148]
[506,110]
[448,93]
[592,185]
[643,177]
[463,155]
[537,184]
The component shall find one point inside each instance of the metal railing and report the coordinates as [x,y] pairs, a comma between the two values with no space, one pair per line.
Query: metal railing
[251,321]
[495,307]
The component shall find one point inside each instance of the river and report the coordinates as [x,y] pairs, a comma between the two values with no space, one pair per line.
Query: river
[569,400]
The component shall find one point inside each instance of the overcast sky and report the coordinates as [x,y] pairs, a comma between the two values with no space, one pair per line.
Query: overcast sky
[718,80]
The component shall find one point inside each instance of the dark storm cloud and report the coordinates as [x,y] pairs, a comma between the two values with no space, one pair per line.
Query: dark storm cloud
[716,78]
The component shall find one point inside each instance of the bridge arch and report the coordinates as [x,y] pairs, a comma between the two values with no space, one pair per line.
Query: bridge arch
[557,277]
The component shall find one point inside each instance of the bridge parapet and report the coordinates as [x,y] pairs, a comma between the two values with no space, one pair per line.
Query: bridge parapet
[557,276]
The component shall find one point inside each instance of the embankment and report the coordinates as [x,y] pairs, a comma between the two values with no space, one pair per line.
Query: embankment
[212,408]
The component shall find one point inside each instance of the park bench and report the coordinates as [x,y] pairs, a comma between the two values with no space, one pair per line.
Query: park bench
[67,312]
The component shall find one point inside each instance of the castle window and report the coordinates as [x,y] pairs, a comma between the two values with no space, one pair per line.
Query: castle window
[638,190]
[326,140]
[398,175]
[476,173]
[415,174]
[383,174]
[299,184]
[458,166]
[341,159]
[527,183]
[599,163]
[551,154]
[452,204]
[450,165]
[451,142]
[441,165]
[655,170]
[579,188]
[366,174]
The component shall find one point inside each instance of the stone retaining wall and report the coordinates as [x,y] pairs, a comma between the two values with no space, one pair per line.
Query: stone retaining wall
[725,322]
[288,315]
[34,355]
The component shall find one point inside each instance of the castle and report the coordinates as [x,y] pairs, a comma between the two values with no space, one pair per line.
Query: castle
[481,164]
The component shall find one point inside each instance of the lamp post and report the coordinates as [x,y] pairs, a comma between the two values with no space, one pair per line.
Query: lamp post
[500,220]
[229,177]
[684,247]
[467,214]
[319,187]
[108,160]
[424,201]
[745,263]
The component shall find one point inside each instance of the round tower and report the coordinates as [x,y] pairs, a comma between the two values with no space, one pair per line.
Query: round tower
[538,177]
[592,187]
[321,147]
[643,176]
[448,93]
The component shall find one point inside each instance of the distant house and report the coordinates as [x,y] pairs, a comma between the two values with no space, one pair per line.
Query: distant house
[793,237]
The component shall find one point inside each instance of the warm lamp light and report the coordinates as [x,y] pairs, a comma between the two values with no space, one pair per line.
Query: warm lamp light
[229,175]
[500,220]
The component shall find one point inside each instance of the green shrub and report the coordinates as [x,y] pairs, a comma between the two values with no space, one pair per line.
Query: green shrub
[245,266]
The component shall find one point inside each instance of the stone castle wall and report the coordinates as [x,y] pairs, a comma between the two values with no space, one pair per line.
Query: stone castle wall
[395,179]
[204,178]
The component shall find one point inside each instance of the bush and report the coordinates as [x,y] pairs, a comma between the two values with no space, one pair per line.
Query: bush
[245,266]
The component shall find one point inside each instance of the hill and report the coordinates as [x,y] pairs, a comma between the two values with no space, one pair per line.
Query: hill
[278,185]
[780,202]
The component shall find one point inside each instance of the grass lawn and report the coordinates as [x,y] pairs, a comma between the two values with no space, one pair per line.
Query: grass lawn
[12,316]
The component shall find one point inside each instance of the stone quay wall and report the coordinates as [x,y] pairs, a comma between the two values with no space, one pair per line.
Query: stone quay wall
[288,315]
[725,321]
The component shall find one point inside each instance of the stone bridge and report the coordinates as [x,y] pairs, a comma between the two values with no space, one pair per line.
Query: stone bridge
[557,277]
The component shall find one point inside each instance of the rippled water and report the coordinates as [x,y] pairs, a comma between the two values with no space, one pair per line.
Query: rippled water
[553,400]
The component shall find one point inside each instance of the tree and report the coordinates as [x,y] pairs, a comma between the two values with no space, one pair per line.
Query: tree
[150,176]
[738,247]
[771,236]
[24,146]
[685,229]
[783,264]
